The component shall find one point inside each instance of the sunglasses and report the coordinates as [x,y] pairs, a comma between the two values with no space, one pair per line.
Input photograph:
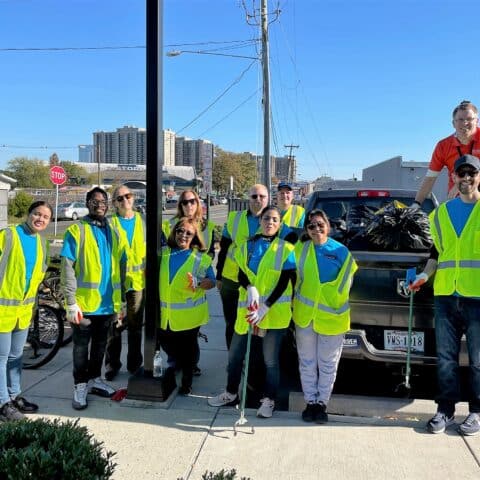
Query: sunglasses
[121,198]
[190,201]
[256,195]
[470,173]
[182,231]
[314,225]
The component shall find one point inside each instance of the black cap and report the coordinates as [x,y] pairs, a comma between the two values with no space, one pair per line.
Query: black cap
[284,185]
[467,160]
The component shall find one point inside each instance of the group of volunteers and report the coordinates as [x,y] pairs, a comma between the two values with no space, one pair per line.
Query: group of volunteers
[276,264]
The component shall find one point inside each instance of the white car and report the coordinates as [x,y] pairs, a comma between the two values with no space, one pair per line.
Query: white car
[72,210]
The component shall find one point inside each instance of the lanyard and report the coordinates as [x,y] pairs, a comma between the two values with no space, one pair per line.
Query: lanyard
[472,143]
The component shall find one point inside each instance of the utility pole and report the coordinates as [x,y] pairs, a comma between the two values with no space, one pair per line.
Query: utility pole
[292,167]
[267,177]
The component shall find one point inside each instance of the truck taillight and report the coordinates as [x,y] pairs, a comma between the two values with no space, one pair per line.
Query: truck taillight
[373,193]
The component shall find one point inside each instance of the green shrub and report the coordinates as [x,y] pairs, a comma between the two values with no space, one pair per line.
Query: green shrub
[18,206]
[44,449]
[221,475]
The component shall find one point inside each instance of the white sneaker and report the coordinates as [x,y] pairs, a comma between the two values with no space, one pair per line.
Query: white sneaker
[224,399]
[266,408]
[98,387]
[80,392]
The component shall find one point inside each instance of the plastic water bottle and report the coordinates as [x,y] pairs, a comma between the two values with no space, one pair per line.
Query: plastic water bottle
[158,365]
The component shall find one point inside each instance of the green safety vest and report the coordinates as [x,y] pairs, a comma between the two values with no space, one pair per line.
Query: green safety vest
[237,228]
[15,303]
[136,252]
[88,267]
[180,307]
[293,215]
[206,235]
[265,280]
[458,268]
[326,304]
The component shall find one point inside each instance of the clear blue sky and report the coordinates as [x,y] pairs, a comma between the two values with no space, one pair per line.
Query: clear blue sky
[353,82]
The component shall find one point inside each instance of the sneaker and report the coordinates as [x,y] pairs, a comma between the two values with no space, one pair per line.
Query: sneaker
[224,399]
[322,415]
[184,390]
[24,405]
[309,414]
[266,408]
[111,373]
[80,392]
[471,425]
[9,412]
[439,422]
[97,386]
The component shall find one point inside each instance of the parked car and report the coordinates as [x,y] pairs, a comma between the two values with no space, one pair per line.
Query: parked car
[223,200]
[72,210]
[141,205]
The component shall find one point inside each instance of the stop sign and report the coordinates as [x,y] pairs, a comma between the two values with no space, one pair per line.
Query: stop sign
[58,175]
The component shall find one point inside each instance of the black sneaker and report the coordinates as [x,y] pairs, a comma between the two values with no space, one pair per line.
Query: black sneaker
[9,413]
[24,405]
[310,412]
[440,422]
[322,415]
[184,390]
[471,425]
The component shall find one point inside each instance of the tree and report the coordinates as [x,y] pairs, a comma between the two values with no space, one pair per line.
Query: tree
[76,174]
[18,206]
[29,172]
[239,165]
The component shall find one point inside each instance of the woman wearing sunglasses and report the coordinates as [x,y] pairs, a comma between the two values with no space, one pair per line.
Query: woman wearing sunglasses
[23,263]
[131,226]
[266,274]
[185,274]
[321,311]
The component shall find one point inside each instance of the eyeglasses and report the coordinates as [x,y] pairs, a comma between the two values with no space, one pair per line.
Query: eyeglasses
[121,198]
[464,173]
[254,196]
[98,203]
[182,231]
[190,201]
[465,120]
[267,218]
[314,225]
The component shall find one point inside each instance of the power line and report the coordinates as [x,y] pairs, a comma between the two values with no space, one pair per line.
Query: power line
[41,147]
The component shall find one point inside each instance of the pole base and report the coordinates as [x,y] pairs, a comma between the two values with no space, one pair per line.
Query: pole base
[142,386]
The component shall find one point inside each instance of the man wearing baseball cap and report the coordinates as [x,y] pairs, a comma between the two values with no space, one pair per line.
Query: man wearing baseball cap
[293,216]
[455,260]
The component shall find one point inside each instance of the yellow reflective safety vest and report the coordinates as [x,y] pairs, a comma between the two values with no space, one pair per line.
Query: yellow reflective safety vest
[237,228]
[88,267]
[136,252]
[15,303]
[180,307]
[292,217]
[206,235]
[265,280]
[458,268]
[324,303]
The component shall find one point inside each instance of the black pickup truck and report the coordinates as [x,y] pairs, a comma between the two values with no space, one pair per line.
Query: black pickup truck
[379,312]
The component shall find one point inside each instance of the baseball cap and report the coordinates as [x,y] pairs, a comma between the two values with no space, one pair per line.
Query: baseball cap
[284,185]
[467,160]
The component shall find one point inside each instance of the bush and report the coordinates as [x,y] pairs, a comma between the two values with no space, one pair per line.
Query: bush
[18,206]
[44,449]
[221,475]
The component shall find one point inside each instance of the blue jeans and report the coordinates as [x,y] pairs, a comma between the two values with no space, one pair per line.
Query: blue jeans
[271,349]
[455,316]
[11,354]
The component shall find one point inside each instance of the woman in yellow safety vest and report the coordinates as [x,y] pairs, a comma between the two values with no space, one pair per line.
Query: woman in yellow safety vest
[131,226]
[321,311]
[189,205]
[185,274]
[23,263]
[266,273]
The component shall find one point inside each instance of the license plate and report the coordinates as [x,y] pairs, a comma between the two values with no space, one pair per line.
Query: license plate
[398,340]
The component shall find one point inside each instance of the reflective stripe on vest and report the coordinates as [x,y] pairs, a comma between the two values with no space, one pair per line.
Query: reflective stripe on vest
[6,253]
[81,283]
[182,306]
[263,298]
[436,220]
[311,303]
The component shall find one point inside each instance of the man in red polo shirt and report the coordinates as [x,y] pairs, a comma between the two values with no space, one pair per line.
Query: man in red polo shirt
[465,140]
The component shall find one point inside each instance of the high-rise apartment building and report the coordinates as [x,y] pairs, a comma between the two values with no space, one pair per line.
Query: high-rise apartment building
[86,154]
[126,146]
[168,141]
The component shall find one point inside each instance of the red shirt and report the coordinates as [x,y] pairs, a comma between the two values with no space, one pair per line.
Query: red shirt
[447,152]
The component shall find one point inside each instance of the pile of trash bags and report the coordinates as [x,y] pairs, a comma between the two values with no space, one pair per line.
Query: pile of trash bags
[395,227]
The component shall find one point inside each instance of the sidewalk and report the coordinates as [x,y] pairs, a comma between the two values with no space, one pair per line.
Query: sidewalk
[186,437]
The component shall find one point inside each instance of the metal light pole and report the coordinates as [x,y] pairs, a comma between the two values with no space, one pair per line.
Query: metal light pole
[267,178]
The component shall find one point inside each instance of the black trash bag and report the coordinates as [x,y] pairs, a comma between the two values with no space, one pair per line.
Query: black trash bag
[395,228]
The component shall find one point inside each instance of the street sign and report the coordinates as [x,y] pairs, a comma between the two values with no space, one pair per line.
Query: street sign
[58,175]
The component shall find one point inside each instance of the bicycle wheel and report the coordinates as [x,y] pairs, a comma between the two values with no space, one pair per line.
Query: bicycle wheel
[45,337]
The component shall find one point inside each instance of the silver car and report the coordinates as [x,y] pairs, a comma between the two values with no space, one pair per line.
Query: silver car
[72,210]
